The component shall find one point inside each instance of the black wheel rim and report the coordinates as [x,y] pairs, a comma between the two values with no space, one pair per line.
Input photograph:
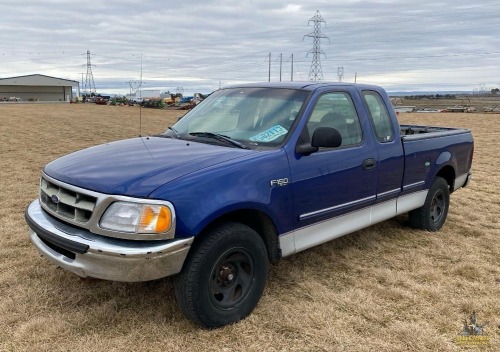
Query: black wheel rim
[438,205]
[232,278]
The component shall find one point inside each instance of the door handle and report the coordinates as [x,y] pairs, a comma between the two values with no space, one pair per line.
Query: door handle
[369,164]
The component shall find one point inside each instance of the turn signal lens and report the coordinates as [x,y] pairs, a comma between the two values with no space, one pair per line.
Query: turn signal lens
[155,218]
[164,221]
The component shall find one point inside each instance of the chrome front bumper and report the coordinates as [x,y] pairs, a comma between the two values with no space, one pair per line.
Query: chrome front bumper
[90,255]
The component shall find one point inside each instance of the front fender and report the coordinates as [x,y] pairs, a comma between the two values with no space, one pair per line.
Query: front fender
[201,197]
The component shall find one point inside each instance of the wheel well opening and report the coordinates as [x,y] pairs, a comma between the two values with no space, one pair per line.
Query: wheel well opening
[448,173]
[259,222]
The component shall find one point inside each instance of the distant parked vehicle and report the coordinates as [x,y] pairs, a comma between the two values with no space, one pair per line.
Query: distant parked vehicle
[101,101]
[428,110]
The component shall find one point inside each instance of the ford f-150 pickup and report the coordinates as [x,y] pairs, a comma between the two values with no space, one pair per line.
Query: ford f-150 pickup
[252,174]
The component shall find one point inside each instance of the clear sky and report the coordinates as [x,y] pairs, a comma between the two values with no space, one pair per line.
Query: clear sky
[201,45]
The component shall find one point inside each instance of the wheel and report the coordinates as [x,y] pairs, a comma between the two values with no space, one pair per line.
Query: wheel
[432,215]
[224,277]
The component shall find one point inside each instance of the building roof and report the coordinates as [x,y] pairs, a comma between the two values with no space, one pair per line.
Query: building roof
[37,80]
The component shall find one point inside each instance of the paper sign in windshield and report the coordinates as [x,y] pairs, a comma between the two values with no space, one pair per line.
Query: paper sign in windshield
[270,135]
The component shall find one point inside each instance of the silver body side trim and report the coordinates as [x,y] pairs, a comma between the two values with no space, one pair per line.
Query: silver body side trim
[313,235]
[460,181]
[412,185]
[411,201]
[384,211]
[392,191]
[109,258]
[326,210]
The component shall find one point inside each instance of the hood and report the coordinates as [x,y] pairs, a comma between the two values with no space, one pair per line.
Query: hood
[136,167]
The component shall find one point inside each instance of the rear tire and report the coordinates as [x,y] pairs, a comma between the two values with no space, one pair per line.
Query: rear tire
[224,277]
[432,215]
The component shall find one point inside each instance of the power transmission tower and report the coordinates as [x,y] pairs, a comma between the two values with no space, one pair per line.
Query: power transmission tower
[316,74]
[134,86]
[89,79]
[340,73]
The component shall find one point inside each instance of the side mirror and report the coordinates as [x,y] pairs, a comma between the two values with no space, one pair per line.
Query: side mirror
[323,137]
[326,137]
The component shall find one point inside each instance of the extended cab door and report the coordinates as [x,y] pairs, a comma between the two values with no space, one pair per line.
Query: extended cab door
[335,181]
[389,147]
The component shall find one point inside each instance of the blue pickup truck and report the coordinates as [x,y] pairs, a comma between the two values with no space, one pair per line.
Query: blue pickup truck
[253,174]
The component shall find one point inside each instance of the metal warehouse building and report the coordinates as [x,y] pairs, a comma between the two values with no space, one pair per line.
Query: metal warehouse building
[37,87]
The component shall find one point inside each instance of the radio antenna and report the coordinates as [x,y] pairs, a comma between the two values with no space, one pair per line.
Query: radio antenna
[140,119]
[140,104]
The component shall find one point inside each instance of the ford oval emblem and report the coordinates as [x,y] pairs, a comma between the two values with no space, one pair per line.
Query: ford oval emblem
[55,199]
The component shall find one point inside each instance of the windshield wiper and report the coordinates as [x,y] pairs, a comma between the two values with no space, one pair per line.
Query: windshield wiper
[219,137]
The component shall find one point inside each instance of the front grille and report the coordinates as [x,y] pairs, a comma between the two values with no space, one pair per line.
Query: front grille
[70,205]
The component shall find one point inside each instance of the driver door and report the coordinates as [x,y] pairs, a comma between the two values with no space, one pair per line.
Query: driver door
[334,181]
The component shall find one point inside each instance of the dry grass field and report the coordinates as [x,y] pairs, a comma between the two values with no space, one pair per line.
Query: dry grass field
[385,288]
[477,102]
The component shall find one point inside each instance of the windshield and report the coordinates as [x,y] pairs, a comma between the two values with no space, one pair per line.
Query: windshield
[249,116]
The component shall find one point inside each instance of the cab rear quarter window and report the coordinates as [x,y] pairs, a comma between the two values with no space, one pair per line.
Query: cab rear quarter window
[379,116]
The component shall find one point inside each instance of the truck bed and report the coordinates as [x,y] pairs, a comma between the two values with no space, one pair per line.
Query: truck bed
[428,131]
[428,148]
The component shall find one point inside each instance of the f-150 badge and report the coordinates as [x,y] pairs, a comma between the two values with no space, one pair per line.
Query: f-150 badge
[279,182]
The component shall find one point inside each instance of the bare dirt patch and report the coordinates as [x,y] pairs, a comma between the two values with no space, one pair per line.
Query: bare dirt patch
[386,288]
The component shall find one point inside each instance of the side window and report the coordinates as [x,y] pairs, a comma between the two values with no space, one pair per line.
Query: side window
[379,116]
[336,110]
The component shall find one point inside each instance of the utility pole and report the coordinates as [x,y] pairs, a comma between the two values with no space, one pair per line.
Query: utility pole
[316,73]
[80,91]
[140,84]
[355,77]
[291,72]
[281,64]
[89,78]
[269,76]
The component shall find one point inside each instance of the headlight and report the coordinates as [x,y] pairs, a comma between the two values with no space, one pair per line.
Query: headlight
[137,218]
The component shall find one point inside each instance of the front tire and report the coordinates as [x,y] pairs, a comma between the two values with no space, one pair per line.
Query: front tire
[224,277]
[432,215]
